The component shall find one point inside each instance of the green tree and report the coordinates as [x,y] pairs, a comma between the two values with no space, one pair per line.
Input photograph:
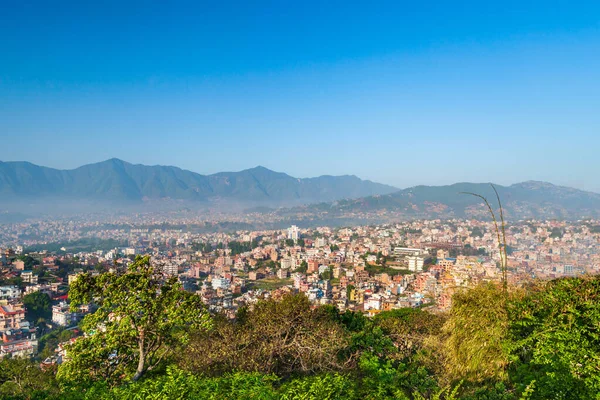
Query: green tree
[476,232]
[556,233]
[276,336]
[303,267]
[22,378]
[178,384]
[29,261]
[38,305]
[325,386]
[140,321]
[555,339]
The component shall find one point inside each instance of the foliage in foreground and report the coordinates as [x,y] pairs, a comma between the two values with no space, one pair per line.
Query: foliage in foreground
[140,322]
[538,343]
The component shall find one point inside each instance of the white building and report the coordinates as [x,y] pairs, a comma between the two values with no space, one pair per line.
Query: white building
[415,263]
[406,251]
[293,233]
[9,292]
[288,263]
[283,274]
[373,303]
[29,277]
[170,269]
[220,283]
[129,251]
[61,315]
[323,268]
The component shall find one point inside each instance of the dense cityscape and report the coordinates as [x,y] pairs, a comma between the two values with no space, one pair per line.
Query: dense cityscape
[368,269]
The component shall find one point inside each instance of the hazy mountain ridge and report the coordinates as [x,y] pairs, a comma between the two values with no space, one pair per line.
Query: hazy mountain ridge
[115,183]
[529,199]
[116,180]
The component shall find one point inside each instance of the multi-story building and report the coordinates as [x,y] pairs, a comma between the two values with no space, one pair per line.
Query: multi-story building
[18,338]
[170,269]
[293,233]
[406,251]
[62,315]
[29,277]
[283,273]
[220,283]
[10,292]
[320,242]
[415,263]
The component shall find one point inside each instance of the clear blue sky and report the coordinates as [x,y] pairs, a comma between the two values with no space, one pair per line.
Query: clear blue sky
[405,93]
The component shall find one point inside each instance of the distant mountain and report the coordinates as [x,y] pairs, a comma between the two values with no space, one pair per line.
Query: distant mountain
[118,181]
[521,201]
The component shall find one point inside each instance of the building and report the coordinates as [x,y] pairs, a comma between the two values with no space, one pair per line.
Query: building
[415,263]
[569,270]
[293,233]
[283,274]
[373,303]
[170,269]
[287,263]
[62,315]
[320,242]
[18,337]
[11,316]
[406,251]
[323,268]
[255,275]
[10,292]
[313,266]
[71,277]
[220,283]
[29,277]
[129,251]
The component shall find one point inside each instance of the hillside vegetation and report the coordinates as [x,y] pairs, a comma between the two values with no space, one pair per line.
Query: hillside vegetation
[539,342]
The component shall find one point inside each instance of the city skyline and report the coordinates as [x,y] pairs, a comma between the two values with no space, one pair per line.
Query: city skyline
[397,94]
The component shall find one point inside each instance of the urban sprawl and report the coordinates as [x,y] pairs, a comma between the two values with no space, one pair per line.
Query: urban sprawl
[368,269]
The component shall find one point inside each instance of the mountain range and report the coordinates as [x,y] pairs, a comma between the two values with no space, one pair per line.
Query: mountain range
[115,184]
[531,199]
[118,181]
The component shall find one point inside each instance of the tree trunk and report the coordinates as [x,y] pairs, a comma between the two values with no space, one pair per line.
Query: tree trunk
[141,361]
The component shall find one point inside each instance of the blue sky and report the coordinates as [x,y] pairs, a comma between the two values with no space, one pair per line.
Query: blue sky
[402,93]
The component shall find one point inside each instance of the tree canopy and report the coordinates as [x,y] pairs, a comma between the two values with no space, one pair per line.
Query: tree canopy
[141,319]
[38,305]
